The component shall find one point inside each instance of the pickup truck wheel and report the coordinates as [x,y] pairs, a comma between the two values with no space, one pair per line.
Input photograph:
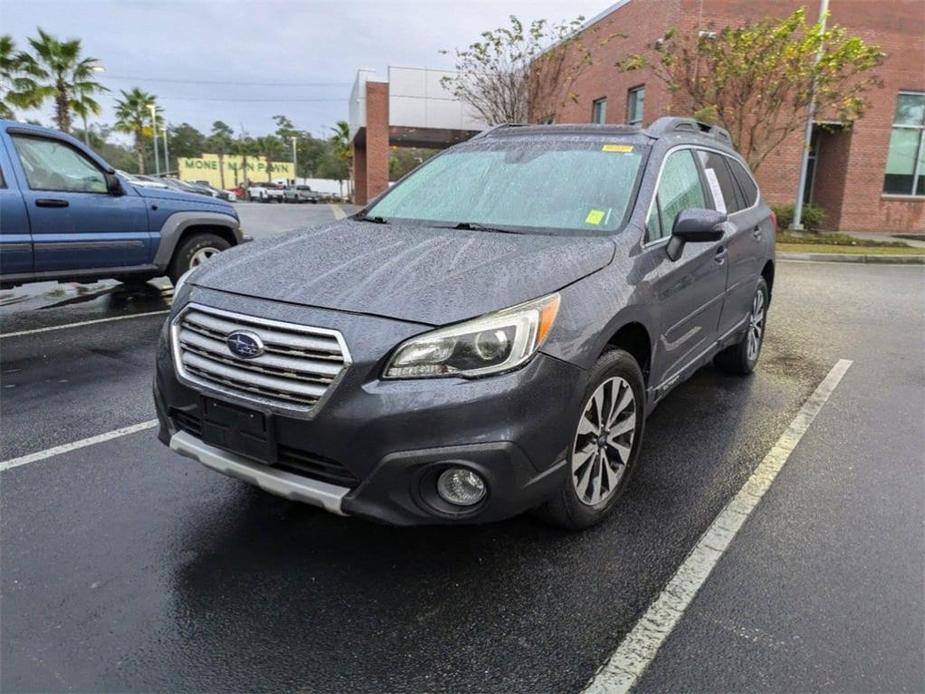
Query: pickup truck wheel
[605,446]
[194,251]
[740,359]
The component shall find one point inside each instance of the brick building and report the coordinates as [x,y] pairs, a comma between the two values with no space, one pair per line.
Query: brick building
[870,177]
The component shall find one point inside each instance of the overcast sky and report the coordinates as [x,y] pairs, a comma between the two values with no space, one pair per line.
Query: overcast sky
[210,60]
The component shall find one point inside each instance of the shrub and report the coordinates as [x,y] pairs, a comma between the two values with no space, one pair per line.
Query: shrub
[813,217]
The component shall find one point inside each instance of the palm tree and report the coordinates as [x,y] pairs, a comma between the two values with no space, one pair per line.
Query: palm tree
[245,147]
[133,116]
[221,142]
[270,148]
[343,146]
[57,71]
[9,72]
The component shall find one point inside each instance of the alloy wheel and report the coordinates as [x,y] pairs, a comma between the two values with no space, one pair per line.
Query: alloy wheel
[604,441]
[202,255]
[755,326]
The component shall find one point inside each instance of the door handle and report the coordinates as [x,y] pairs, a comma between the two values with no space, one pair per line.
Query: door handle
[720,256]
[51,202]
[756,233]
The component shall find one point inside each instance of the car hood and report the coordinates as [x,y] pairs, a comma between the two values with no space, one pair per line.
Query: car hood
[169,194]
[412,273]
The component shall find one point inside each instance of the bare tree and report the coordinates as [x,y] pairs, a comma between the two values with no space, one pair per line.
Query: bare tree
[518,73]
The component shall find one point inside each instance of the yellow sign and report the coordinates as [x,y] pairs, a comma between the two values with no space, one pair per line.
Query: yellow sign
[617,148]
[595,217]
[231,170]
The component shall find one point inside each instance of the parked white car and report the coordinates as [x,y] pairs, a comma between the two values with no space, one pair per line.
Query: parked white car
[265,192]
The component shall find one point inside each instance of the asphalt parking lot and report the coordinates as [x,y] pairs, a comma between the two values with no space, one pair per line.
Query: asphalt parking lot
[127,567]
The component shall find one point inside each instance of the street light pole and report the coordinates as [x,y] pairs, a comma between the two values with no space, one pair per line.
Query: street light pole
[797,223]
[295,162]
[157,160]
[166,153]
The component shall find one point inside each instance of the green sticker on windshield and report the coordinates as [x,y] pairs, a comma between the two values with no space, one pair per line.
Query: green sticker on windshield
[595,217]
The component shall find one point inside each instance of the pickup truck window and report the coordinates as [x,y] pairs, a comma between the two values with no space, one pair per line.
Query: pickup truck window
[53,165]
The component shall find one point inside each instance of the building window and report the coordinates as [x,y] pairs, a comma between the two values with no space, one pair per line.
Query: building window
[905,163]
[599,111]
[635,105]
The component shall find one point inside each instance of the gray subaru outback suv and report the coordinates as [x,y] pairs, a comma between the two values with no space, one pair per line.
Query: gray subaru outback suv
[485,338]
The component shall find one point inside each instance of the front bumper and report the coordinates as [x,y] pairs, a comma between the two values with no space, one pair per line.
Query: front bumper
[279,482]
[377,446]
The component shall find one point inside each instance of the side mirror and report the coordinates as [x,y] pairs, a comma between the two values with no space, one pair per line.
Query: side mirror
[695,225]
[114,184]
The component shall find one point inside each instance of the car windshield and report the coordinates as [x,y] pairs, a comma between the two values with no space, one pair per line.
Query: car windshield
[554,186]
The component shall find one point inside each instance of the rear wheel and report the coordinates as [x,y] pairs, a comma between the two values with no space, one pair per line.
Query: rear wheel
[741,358]
[605,446]
[193,252]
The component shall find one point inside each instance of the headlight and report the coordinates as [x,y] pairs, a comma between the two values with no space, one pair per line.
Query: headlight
[493,343]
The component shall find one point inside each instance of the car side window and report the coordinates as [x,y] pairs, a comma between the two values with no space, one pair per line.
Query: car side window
[53,165]
[679,189]
[723,188]
[746,183]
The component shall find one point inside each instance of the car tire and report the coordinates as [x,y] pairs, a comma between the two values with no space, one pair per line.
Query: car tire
[740,359]
[193,251]
[578,504]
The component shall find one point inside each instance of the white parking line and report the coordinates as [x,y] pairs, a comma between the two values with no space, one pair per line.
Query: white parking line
[338,212]
[86,322]
[637,651]
[83,443]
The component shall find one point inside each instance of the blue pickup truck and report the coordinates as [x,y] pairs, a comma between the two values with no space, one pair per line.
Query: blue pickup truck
[65,214]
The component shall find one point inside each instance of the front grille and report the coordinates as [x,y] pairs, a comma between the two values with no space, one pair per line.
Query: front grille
[189,423]
[302,463]
[298,367]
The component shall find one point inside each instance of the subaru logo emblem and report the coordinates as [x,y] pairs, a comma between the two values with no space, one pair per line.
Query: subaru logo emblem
[244,344]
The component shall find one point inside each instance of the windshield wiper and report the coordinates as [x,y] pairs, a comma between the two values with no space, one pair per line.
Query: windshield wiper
[475,226]
[372,220]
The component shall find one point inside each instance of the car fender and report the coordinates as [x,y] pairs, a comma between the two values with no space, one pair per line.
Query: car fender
[173,228]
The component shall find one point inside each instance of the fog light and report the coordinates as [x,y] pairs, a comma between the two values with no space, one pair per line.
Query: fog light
[460,486]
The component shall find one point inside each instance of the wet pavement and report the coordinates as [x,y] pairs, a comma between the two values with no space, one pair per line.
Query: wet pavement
[127,567]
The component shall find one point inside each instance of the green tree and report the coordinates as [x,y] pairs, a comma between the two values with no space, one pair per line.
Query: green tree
[133,116]
[757,80]
[9,73]
[285,130]
[221,142]
[342,145]
[403,160]
[56,70]
[185,141]
[519,72]
[269,147]
[244,147]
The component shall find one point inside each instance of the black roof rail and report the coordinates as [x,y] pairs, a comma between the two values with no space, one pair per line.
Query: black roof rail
[667,124]
[489,130]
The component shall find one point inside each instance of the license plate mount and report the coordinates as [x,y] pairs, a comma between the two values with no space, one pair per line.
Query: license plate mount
[238,429]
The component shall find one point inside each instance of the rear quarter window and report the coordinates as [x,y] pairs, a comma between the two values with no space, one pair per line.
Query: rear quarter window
[746,183]
[722,185]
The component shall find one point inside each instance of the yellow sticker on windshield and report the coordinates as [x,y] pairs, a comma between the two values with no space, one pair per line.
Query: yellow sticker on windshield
[617,148]
[595,217]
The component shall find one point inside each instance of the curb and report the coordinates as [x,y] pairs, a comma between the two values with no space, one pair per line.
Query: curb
[850,258]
